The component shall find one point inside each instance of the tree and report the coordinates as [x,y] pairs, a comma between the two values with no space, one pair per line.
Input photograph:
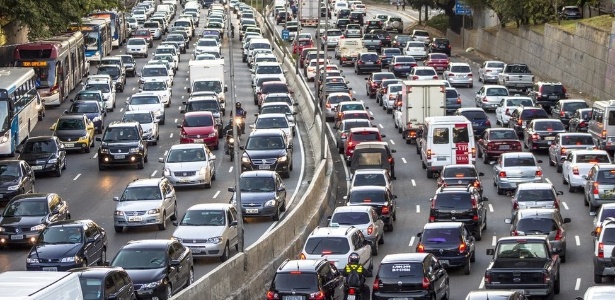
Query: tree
[45,18]
[418,4]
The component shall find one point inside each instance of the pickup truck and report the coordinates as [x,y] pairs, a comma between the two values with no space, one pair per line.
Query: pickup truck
[372,42]
[516,77]
[348,50]
[525,263]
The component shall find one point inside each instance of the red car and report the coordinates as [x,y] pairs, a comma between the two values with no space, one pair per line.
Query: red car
[438,61]
[301,44]
[358,135]
[146,34]
[199,127]
[495,141]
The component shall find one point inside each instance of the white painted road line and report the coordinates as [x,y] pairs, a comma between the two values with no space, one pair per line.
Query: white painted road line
[392,142]
[380,125]
[171,136]
[490,207]
[134,88]
[77,177]
[154,173]
[121,109]
[216,194]
[482,284]
[182,97]
[565,205]
[179,108]
[371,113]
[404,160]
[418,209]
[548,180]
[577,285]
[230,169]
[95,155]
[175,120]
[411,242]
[578,240]
[165,152]
[413,182]
[494,241]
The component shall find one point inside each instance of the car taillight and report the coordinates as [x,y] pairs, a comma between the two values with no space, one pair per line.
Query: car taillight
[302,256]
[474,202]
[54,89]
[507,111]
[562,114]
[435,77]
[604,134]
[317,296]
[351,291]
[350,144]
[458,100]
[558,235]
[487,276]
[485,99]
[428,153]
[420,247]
[596,192]
[536,136]
[487,71]
[378,62]
[432,219]
[582,124]
[385,210]
[563,151]
[515,233]
[488,123]
[539,173]
[600,250]
[463,247]
[470,75]
[575,170]
[397,65]
[502,174]
[450,74]
[415,78]
[370,229]
[556,204]
[271,295]
[519,122]
[426,283]
[489,146]
[515,204]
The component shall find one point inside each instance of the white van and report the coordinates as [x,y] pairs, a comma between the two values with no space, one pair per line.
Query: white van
[602,124]
[446,140]
[40,285]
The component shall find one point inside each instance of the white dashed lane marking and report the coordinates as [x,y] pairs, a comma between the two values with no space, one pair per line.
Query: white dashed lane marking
[418,209]
[413,182]
[578,240]
[171,135]
[565,205]
[216,194]
[77,177]
[494,240]
[404,160]
[392,142]
[95,155]
[577,285]
[380,125]
[121,109]
[230,169]
[411,242]
[154,173]
[490,208]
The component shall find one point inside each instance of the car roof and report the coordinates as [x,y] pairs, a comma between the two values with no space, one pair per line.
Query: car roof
[463,109]
[564,101]
[404,257]
[210,206]
[76,117]
[490,294]
[95,272]
[147,243]
[363,129]
[607,167]
[187,146]
[268,132]
[145,182]
[500,129]
[201,113]
[258,173]
[517,154]
[468,166]
[441,225]
[272,115]
[302,265]
[367,188]
[31,196]
[354,208]
[70,223]
[41,138]
[459,64]
[494,86]
[534,186]
[371,171]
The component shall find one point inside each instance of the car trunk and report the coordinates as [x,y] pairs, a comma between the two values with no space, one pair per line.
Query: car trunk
[527,271]
[400,277]
[521,172]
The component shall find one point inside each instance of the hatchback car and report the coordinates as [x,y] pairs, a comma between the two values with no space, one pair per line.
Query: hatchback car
[508,105]
[105,283]
[274,121]
[416,49]
[137,46]
[496,141]
[514,168]
[343,129]
[147,101]
[44,154]
[423,73]
[577,164]
[146,119]
[92,109]
[189,165]
[16,178]
[145,202]
[565,109]
[459,74]
[401,65]
[367,62]
[337,243]
[358,135]
[199,127]
[75,131]
[460,204]
[542,221]
[489,96]
[535,195]
[460,175]
[372,177]
[68,244]
[450,242]
[489,71]
[378,197]
[440,45]
[521,116]
[580,120]
[599,186]
[540,134]
[307,278]
[263,194]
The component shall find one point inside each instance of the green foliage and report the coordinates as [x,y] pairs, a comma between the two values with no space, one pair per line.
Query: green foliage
[439,22]
[45,18]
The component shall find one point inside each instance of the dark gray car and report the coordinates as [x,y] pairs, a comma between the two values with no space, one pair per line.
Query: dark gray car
[262,194]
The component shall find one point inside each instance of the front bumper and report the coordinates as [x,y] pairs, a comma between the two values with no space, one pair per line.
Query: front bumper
[137,221]
[76,145]
[119,159]
[23,238]
[259,210]
[157,292]
[205,249]
[276,166]
[209,141]
[197,179]
[140,52]
[52,266]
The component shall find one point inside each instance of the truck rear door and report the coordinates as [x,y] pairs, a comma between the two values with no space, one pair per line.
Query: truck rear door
[460,150]
[440,150]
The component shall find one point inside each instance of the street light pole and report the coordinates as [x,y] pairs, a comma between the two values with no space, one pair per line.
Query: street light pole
[323,122]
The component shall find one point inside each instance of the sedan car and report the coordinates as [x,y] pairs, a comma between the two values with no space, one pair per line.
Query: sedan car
[16,177]
[576,165]
[564,109]
[75,131]
[416,49]
[439,61]
[209,230]
[489,96]
[378,197]
[423,73]
[189,165]
[158,268]
[274,121]
[92,109]
[496,141]
[44,154]
[145,202]
[540,133]
[535,195]
[68,244]
[459,74]
[514,168]
[489,71]
[564,143]
[263,194]
[138,47]
[401,65]
[478,117]
[508,105]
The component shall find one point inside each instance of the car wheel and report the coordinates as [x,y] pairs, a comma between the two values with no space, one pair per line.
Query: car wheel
[190,278]
[479,235]
[551,163]
[168,292]
[586,203]
[118,229]
[473,256]
[429,174]
[374,249]
[64,165]
[276,217]
[479,153]
[500,191]
[340,150]
[558,168]
[58,172]
[597,278]
[87,148]
[141,164]
[101,167]
[467,268]
[381,240]
[486,159]
[163,226]
[103,257]
[174,216]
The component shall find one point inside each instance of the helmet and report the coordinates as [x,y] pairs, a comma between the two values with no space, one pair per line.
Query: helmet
[238,104]
[353,258]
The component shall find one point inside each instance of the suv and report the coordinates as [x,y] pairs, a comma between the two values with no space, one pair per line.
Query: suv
[440,45]
[460,175]
[599,184]
[307,278]
[378,197]
[450,242]
[336,244]
[262,194]
[604,245]
[122,144]
[535,195]
[147,201]
[268,149]
[460,204]
[130,64]
[565,109]
[521,116]
[548,93]
[362,217]
[367,62]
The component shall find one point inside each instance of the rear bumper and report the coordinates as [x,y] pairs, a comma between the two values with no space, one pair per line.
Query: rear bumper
[544,291]
[508,184]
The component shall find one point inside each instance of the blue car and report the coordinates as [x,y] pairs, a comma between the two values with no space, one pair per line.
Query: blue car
[478,117]
[90,109]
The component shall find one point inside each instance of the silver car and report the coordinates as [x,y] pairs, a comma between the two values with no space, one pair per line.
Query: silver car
[490,96]
[137,47]
[208,229]
[148,123]
[145,202]
[189,165]
[459,74]
[331,103]
[542,221]
[566,142]
[377,177]
[365,218]
[514,168]
[489,71]
[535,195]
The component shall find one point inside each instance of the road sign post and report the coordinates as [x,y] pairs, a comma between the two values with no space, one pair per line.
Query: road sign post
[463,10]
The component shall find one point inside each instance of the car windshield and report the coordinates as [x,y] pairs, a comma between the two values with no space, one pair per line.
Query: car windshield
[186,155]
[402,269]
[276,109]
[26,208]
[549,126]
[140,259]
[113,134]
[84,108]
[536,225]
[204,218]
[453,201]
[369,179]
[88,96]
[256,184]
[9,171]
[45,146]
[366,196]
[327,245]
[269,70]
[70,124]
[533,195]
[207,86]
[112,71]
[350,218]
[265,143]
[299,281]
[497,92]
[155,72]
[425,72]
[138,193]
[405,59]
[519,162]
[573,106]
[142,118]
[521,250]
[459,172]
[154,86]
[198,121]
[519,102]
[61,235]
[105,88]
[502,135]
[441,236]
[365,136]
[144,100]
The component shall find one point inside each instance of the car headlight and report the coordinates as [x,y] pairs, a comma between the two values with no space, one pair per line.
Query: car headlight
[38,227]
[97,53]
[213,134]
[153,211]
[2,229]
[203,171]
[231,141]
[13,188]
[32,260]
[104,151]
[158,113]
[149,130]
[52,161]
[245,160]
[134,150]
[152,285]
[214,240]
[282,159]
[85,137]
[270,203]
[118,213]
[75,259]
[166,172]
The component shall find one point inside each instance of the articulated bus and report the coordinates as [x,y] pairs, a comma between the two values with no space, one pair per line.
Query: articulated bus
[19,107]
[97,34]
[59,63]
[118,26]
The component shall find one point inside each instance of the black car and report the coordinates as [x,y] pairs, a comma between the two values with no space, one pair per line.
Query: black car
[282,17]
[372,24]
[367,62]
[564,109]
[356,18]
[158,268]
[401,65]
[387,54]
[522,116]
[307,278]
[116,74]
[450,242]
[440,45]
[341,24]
[460,204]
[411,276]
[400,41]
[580,120]
[91,109]
[540,134]
[378,197]
[343,13]
[262,194]
[25,216]
[460,175]
[571,13]
[496,294]
[547,94]
[383,35]
[268,149]
[122,144]
[130,64]
[325,13]
[16,177]
[68,244]
[105,283]
[44,154]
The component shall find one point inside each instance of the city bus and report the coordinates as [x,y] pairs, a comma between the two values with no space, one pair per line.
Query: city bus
[59,63]
[118,26]
[19,107]
[97,35]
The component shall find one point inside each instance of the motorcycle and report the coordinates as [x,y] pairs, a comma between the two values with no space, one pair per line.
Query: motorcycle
[354,293]
[229,147]
[240,121]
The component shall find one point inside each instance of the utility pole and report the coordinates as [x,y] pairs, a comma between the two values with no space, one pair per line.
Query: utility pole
[323,122]
[318,50]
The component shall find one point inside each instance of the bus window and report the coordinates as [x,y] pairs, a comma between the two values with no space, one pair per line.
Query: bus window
[4,116]
[611,117]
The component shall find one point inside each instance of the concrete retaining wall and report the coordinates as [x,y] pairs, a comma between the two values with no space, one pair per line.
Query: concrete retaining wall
[583,61]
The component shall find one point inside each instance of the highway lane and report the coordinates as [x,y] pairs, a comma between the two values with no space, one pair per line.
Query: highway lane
[89,192]
[414,190]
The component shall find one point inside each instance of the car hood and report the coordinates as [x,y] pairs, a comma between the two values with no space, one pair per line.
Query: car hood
[261,154]
[70,133]
[5,184]
[54,251]
[121,144]
[204,131]
[185,166]
[138,205]
[198,232]
[22,221]
[145,276]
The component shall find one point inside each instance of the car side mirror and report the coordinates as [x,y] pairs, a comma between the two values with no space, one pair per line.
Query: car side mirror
[140,90]
[161,160]
[383,135]
[567,220]
[179,125]
[175,223]
[90,240]
[419,234]
[559,193]
[508,221]
[242,148]
[116,198]
[584,176]
[289,146]
[490,251]
[371,118]
[231,189]
[52,127]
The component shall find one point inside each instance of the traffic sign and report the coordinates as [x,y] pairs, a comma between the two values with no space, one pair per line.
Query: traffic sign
[285,34]
[462,9]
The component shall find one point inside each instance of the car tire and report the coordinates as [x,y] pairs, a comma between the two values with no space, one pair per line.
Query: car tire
[168,292]
[551,163]
[161,121]
[486,159]
[103,257]
[141,164]
[174,216]
[225,253]
[340,150]
[500,191]
[276,217]
[479,154]
[87,148]
[558,168]
[190,278]
[467,268]
[564,181]
[597,278]
[118,229]
[101,167]
[374,247]
[163,226]
[381,240]
[429,174]
[58,172]
[473,256]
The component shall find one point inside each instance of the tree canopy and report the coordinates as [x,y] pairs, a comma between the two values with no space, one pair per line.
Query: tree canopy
[46,18]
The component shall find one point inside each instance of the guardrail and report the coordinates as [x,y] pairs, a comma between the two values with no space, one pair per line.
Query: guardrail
[247,275]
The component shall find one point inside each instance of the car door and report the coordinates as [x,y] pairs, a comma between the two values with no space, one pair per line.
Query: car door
[280,189]
[123,285]
[28,177]
[437,274]
[93,244]
[499,110]
[589,183]
[481,209]
[378,223]
[109,288]
[62,208]
[362,248]
[479,95]
[231,216]
[173,272]
[553,148]
[331,281]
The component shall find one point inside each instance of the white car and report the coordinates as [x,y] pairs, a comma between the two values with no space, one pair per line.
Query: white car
[336,244]
[360,8]
[168,58]
[102,83]
[267,68]
[169,49]
[390,98]
[165,63]
[508,105]
[274,77]
[204,45]
[489,71]
[279,108]
[189,165]
[148,102]
[263,57]
[423,73]
[140,16]
[160,88]
[577,165]
[137,47]
[489,96]
[416,49]
[310,69]
[146,119]
[363,217]
[160,72]
[331,38]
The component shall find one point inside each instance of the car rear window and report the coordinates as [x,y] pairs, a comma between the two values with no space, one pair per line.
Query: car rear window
[608,237]
[459,172]
[533,113]
[607,213]
[327,245]
[451,94]
[365,136]
[497,92]
[405,59]
[425,72]
[535,195]
[416,45]
[519,162]
[295,281]
[577,140]
[441,236]
[549,126]
[461,69]
[402,269]
[369,179]
[536,225]
[366,196]
[495,65]
[350,218]
[592,158]
[571,107]
[552,89]
[439,56]
[349,125]
[383,76]
[519,102]
[274,88]
[502,135]
[606,176]
[369,57]
[453,200]
[474,115]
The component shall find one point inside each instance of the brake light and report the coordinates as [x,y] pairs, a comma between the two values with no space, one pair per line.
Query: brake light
[562,114]
[470,75]
[502,174]
[488,123]
[474,202]
[302,256]
[487,71]
[487,276]
[535,136]
[420,248]
[515,233]
[450,74]
[563,151]
[397,65]
[426,283]
[575,170]
[596,192]
[604,134]
[485,99]
[344,135]
[317,296]
[328,105]
[378,62]
[489,147]
[432,219]
[376,285]
[435,77]
[558,235]
[272,295]
[507,111]
[370,229]
[519,122]
[515,204]
[463,247]
[458,100]
[600,250]
[349,144]
[415,78]
[428,153]
[351,291]
[385,210]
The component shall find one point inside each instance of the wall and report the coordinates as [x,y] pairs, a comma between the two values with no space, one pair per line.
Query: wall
[583,61]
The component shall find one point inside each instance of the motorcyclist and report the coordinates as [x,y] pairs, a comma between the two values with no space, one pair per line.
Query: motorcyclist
[240,113]
[354,272]
[232,31]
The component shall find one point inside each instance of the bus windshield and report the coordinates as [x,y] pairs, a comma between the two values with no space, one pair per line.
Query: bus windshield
[91,40]
[46,75]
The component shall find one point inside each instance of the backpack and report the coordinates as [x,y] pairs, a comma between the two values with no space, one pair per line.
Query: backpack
[353,279]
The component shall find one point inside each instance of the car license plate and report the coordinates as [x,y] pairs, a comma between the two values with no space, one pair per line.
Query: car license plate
[198,140]
[69,145]
[50,269]
[404,67]
[252,210]
[135,219]
[475,124]
[439,68]
[553,97]
[295,298]
[504,147]
[549,138]
[441,158]
[37,167]
[17,237]
[399,298]
[264,167]
[197,250]
[350,297]
[369,63]
[119,156]
[444,262]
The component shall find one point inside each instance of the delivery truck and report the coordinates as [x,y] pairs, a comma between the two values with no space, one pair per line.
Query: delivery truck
[40,285]
[308,13]
[208,76]
[418,100]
